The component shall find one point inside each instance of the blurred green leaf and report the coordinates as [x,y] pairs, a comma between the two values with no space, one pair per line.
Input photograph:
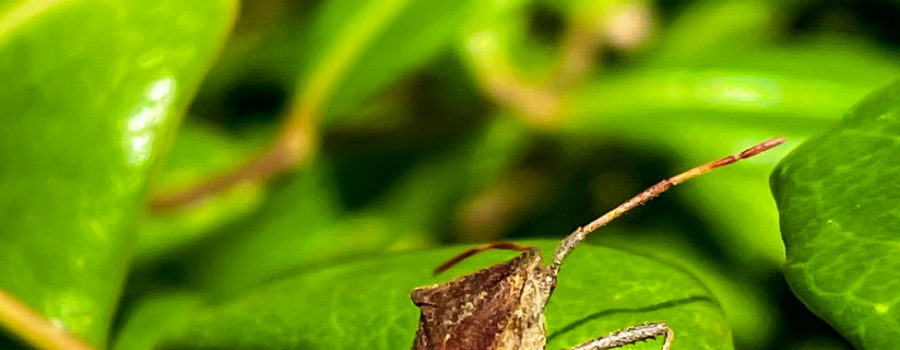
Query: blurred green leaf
[90,90]
[358,47]
[498,40]
[366,304]
[354,49]
[451,175]
[706,27]
[735,201]
[291,225]
[774,88]
[266,46]
[197,151]
[710,107]
[817,343]
[301,224]
[838,198]
[157,319]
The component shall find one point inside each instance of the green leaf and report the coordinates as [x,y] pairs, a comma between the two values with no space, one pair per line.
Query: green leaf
[198,150]
[840,218]
[706,27]
[301,224]
[157,319]
[449,176]
[733,94]
[744,300]
[704,109]
[290,226]
[758,87]
[359,47]
[91,88]
[365,304]
[353,50]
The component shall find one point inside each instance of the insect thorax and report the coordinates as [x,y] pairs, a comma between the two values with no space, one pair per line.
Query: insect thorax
[496,308]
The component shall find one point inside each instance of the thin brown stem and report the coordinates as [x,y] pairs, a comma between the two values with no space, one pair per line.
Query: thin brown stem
[570,242]
[33,328]
[298,138]
[539,102]
[293,146]
[577,57]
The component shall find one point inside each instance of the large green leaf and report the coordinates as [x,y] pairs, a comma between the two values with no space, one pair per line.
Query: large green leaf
[90,89]
[365,304]
[840,217]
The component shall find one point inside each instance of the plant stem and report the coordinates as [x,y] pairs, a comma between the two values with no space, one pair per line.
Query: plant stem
[294,146]
[298,138]
[33,328]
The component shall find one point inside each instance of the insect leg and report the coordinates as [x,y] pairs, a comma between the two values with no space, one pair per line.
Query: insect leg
[479,249]
[631,335]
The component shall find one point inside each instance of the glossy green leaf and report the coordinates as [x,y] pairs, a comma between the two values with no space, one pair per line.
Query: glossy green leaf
[840,217]
[90,90]
[357,48]
[366,304]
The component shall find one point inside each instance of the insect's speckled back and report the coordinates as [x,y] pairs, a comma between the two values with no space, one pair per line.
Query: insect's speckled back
[497,308]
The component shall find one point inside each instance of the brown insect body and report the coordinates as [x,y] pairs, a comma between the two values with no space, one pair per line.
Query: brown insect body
[497,308]
[502,307]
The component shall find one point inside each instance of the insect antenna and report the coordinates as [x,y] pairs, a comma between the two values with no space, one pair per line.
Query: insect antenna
[571,241]
[478,249]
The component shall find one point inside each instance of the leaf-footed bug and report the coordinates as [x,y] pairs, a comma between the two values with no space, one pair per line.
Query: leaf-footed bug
[502,307]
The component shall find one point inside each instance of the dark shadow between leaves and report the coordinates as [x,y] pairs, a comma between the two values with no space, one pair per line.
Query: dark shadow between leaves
[671,303]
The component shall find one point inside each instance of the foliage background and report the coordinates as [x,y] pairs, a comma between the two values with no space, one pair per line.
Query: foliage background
[433,123]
